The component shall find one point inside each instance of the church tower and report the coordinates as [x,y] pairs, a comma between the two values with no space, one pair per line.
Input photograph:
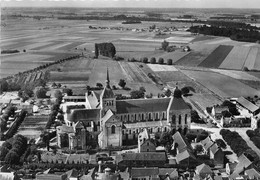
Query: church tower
[107,98]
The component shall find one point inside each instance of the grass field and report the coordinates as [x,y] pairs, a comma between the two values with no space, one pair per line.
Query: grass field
[251,58]
[241,75]
[216,57]
[236,58]
[221,85]
[257,61]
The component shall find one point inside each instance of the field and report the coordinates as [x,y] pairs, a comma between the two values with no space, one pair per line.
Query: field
[221,85]
[82,72]
[216,57]
[240,75]
[236,58]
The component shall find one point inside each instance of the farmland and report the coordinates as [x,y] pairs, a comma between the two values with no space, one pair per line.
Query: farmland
[216,57]
[221,85]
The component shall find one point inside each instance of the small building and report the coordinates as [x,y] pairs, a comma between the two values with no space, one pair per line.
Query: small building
[144,173]
[217,111]
[142,159]
[148,146]
[168,173]
[252,108]
[217,155]
[207,143]
[203,171]
[51,176]
[252,173]
[243,164]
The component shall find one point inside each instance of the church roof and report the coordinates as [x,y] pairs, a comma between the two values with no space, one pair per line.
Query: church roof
[142,105]
[107,93]
[178,104]
[84,114]
[145,124]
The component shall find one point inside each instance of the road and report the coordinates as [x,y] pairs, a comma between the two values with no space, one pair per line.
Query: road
[242,133]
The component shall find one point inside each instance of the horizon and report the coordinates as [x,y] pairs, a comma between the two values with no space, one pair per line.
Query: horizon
[160,4]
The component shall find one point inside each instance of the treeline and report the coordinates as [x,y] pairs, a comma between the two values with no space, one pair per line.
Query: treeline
[237,34]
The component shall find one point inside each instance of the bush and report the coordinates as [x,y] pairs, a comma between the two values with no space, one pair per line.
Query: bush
[221,143]
[165,44]
[169,62]
[41,93]
[153,60]
[122,83]
[145,60]
[161,61]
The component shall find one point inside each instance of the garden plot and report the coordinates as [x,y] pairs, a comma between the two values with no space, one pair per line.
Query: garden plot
[134,73]
[69,76]
[241,75]
[216,57]
[251,58]
[257,61]
[221,85]
[236,58]
[24,57]
[158,67]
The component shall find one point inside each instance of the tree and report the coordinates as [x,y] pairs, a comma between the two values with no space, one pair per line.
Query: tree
[12,157]
[67,91]
[198,149]
[99,85]
[165,44]
[122,83]
[3,85]
[161,61]
[169,62]
[145,60]
[226,114]
[41,93]
[3,124]
[58,94]
[54,85]
[153,60]
[40,82]
[137,94]
[185,90]
[142,89]
[195,117]
[221,143]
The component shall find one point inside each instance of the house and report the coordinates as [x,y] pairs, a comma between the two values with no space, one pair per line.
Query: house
[186,157]
[252,173]
[151,173]
[180,143]
[6,175]
[143,135]
[142,159]
[217,155]
[207,143]
[217,111]
[148,146]
[168,173]
[72,174]
[252,108]
[243,163]
[203,171]
[51,176]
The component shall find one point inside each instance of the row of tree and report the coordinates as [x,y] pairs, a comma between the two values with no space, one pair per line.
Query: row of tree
[13,149]
[237,143]
[254,136]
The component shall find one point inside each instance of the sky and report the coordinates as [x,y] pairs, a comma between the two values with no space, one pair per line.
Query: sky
[134,3]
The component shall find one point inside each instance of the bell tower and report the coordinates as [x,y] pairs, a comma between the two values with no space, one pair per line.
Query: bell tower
[107,98]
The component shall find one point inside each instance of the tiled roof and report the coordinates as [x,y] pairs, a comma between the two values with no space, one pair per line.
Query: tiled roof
[65,129]
[164,171]
[252,173]
[178,104]
[184,155]
[243,162]
[93,100]
[142,105]
[107,93]
[72,173]
[207,143]
[203,169]
[142,172]
[84,114]
[144,156]
[247,104]
[181,141]
[214,148]
[146,124]
[64,158]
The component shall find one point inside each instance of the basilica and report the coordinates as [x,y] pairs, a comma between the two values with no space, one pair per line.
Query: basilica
[112,122]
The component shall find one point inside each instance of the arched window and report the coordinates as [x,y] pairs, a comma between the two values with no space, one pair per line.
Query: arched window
[142,117]
[113,129]
[186,118]
[135,117]
[149,116]
[179,119]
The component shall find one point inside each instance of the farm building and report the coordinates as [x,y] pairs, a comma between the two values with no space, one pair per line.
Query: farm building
[113,121]
[252,108]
